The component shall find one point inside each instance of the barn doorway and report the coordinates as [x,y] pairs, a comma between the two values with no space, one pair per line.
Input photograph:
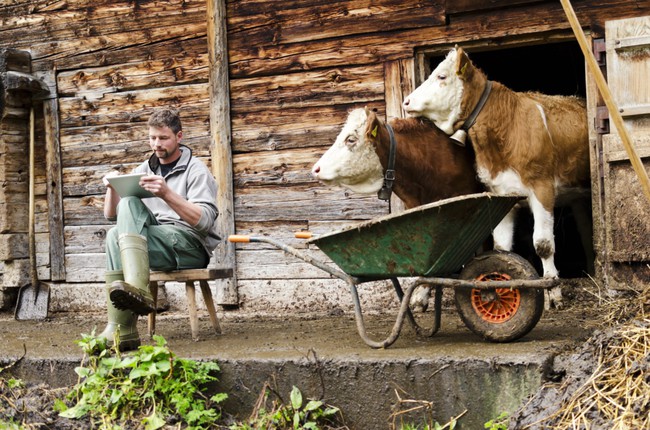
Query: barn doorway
[551,68]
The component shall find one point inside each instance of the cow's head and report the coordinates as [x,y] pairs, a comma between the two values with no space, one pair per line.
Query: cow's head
[439,97]
[352,161]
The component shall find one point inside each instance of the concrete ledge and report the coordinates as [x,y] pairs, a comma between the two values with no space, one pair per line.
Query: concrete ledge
[325,358]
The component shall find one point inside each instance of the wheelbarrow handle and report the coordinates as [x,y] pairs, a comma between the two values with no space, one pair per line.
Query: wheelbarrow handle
[239,238]
[303,235]
[296,253]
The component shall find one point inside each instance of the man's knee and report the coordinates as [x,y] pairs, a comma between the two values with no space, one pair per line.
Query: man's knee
[112,236]
[129,203]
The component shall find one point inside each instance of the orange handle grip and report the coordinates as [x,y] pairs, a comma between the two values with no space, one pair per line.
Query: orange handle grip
[239,238]
[303,235]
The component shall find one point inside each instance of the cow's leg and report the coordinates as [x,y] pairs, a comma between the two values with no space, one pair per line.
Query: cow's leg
[544,242]
[543,238]
[504,232]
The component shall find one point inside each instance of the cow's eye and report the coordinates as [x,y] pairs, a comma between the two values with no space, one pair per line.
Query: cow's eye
[442,77]
[351,140]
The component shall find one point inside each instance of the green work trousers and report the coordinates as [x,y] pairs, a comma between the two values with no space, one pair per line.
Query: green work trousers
[170,247]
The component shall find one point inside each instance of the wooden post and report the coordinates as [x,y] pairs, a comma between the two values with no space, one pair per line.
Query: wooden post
[54,181]
[399,81]
[607,97]
[220,148]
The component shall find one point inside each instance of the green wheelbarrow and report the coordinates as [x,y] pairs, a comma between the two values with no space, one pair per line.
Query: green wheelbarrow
[498,295]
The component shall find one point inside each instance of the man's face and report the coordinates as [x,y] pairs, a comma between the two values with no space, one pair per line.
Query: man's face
[165,143]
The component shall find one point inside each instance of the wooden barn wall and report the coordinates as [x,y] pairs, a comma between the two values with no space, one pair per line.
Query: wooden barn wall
[296,68]
[110,63]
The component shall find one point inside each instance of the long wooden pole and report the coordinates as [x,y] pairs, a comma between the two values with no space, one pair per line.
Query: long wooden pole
[607,97]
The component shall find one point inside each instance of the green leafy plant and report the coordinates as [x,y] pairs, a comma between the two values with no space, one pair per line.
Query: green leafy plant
[296,415]
[114,389]
[499,423]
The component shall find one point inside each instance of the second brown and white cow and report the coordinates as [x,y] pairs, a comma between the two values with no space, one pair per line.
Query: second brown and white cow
[525,143]
[428,165]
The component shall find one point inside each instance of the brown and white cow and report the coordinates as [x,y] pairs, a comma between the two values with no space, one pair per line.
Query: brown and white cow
[428,165]
[525,143]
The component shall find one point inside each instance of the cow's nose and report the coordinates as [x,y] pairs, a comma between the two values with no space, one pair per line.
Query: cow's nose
[316,170]
[406,102]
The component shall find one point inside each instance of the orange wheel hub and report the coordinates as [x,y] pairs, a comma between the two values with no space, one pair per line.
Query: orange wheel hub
[498,305]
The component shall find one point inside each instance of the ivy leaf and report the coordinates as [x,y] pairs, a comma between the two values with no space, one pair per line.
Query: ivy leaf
[296,398]
[153,421]
[312,405]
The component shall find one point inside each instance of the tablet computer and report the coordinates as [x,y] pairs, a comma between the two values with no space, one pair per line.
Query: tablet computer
[128,185]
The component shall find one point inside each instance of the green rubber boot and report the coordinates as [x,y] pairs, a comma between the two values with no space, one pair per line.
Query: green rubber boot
[124,321]
[133,292]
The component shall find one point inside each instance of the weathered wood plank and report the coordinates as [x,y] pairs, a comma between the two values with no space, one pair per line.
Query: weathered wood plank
[59,51]
[176,70]
[304,203]
[105,27]
[311,20]
[221,150]
[331,86]
[83,239]
[275,167]
[400,82]
[86,267]
[275,264]
[124,143]
[88,210]
[315,126]
[184,44]
[133,106]
[13,246]
[54,182]
[464,6]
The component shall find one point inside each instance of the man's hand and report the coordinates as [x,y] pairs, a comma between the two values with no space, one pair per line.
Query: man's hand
[188,211]
[109,175]
[155,184]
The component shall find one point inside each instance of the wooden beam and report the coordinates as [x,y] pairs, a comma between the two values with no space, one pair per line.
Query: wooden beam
[54,183]
[399,81]
[220,149]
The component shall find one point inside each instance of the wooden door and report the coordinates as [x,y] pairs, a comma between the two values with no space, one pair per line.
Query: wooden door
[621,209]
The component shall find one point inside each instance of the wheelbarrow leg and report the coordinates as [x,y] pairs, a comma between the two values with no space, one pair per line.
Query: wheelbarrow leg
[397,327]
[400,296]
[421,331]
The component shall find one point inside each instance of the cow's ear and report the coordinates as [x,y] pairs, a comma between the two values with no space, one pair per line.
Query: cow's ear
[372,127]
[462,63]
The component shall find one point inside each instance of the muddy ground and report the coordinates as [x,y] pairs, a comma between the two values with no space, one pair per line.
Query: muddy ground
[578,331]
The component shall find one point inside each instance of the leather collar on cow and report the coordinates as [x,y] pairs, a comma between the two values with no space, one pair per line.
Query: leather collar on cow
[389,176]
[460,135]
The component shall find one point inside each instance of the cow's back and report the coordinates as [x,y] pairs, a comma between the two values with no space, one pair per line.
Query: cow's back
[432,167]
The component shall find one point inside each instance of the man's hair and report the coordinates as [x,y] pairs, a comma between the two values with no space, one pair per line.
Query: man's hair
[166,117]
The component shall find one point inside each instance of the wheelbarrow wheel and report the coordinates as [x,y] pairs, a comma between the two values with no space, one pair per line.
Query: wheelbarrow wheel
[501,314]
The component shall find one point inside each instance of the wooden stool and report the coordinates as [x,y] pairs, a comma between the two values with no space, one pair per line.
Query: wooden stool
[189,276]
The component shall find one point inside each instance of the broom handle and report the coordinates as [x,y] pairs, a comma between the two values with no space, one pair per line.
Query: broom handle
[32,239]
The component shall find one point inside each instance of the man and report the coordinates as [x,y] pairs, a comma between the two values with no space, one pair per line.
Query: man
[176,229]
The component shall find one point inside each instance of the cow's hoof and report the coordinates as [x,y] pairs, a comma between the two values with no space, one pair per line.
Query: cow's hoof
[553,298]
[420,298]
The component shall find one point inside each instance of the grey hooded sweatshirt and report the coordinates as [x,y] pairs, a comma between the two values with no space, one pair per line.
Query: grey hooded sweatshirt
[192,179]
